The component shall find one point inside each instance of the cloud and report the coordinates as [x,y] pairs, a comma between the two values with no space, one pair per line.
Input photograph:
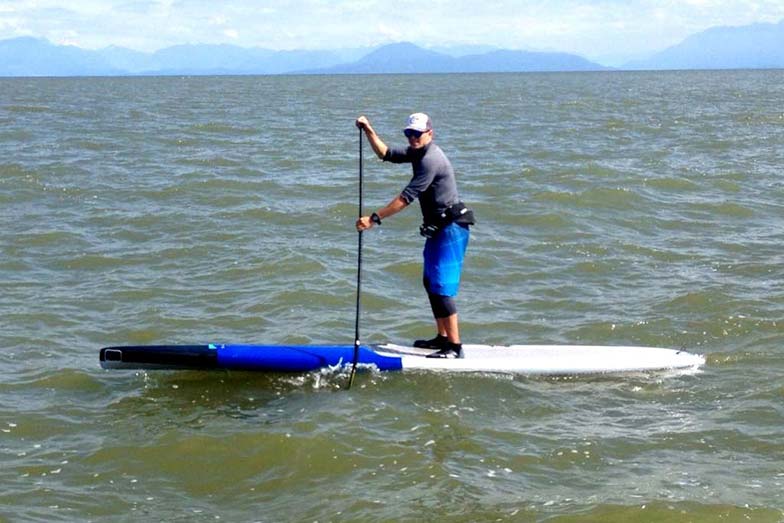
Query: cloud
[388,32]
[219,20]
[141,7]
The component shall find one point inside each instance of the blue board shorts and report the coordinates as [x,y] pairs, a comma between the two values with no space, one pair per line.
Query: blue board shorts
[444,255]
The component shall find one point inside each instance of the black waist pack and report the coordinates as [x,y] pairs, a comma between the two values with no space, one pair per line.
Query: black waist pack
[457,213]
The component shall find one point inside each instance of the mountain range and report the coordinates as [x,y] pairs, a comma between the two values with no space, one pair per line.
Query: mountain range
[751,46]
[756,46]
[36,57]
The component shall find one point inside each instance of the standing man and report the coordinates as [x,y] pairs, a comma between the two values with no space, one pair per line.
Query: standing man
[446,221]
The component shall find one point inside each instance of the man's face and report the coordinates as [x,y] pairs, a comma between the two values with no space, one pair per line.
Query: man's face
[418,139]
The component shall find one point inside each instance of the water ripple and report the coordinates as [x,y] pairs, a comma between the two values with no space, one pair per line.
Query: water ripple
[613,208]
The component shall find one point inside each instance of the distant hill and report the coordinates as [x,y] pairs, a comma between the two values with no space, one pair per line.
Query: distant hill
[512,61]
[408,58]
[464,50]
[36,57]
[229,59]
[395,58]
[756,46]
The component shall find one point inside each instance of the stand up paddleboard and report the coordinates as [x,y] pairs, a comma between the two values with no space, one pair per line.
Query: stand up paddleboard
[523,359]
[543,360]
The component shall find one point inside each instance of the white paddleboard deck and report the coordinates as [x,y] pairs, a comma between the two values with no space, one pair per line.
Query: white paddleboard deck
[548,360]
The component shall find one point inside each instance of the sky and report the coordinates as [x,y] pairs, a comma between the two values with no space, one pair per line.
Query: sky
[609,31]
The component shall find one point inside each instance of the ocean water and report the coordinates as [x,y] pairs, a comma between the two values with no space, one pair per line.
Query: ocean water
[613,209]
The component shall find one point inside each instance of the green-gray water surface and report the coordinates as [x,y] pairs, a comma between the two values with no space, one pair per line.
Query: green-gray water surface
[613,209]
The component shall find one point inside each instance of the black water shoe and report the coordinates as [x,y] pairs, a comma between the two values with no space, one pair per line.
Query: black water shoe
[439,342]
[450,350]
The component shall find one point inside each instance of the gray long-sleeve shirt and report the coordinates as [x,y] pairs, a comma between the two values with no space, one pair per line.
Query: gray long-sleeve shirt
[433,181]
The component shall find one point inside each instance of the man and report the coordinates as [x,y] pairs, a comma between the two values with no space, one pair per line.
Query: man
[446,222]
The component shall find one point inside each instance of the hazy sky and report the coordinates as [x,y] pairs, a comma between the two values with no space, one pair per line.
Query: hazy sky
[597,29]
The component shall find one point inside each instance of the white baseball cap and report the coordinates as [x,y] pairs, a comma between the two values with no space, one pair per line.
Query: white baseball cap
[419,122]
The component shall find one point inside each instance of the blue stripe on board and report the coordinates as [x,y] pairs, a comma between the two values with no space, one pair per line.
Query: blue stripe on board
[298,358]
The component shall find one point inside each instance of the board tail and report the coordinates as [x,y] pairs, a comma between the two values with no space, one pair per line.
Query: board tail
[160,357]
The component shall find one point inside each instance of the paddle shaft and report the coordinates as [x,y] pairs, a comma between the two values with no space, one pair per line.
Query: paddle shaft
[359,274]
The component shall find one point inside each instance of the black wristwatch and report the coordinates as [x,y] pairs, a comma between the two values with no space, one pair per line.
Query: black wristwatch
[375,219]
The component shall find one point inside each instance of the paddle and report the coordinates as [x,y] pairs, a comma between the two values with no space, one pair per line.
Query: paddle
[359,273]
